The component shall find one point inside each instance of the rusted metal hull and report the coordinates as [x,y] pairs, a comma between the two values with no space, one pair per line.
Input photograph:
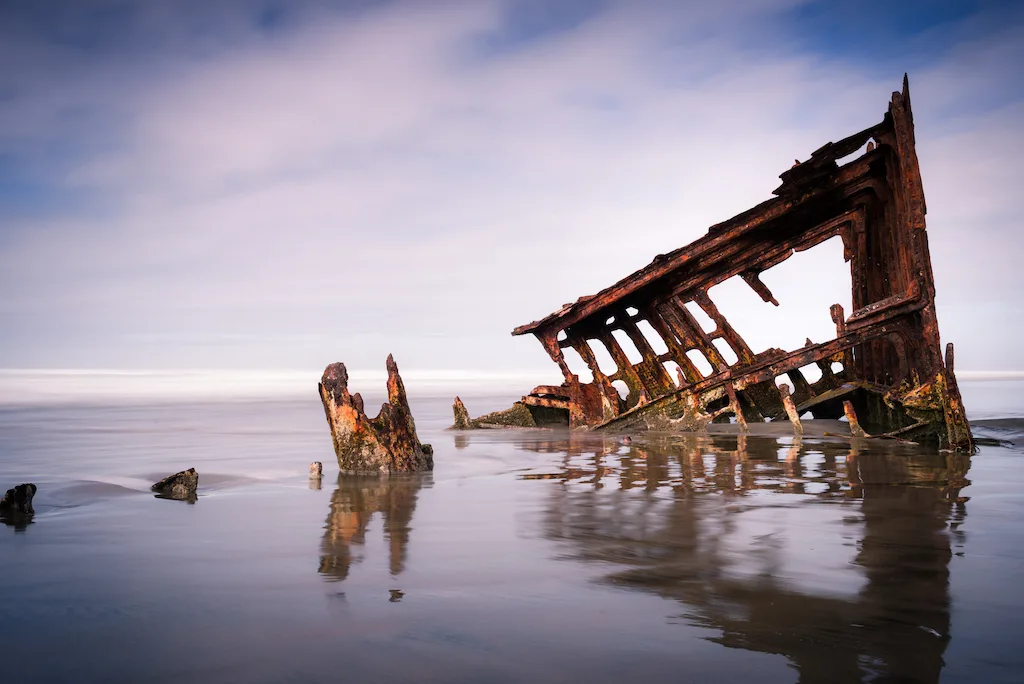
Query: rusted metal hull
[886,358]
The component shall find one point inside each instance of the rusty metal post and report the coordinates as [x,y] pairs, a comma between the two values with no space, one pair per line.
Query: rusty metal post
[734,403]
[794,417]
[958,430]
[855,429]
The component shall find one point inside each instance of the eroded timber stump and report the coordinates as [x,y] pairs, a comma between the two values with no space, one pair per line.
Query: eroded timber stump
[385,444]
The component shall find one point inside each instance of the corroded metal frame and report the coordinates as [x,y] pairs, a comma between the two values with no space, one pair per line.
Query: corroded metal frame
[888,347]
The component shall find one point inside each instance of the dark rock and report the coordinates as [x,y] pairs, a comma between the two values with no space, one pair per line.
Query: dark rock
[19,499]
[316,470]
[16,505]
[180,486]
[385,444]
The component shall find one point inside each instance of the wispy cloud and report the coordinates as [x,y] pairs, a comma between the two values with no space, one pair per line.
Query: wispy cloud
[419,180]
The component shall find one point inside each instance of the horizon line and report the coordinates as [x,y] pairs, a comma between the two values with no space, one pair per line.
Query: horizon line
[973,374]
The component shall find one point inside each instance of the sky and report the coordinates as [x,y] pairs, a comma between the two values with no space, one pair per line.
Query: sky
[280,185]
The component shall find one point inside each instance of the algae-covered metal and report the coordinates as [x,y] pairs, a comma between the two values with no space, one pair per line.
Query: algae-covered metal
[885,358]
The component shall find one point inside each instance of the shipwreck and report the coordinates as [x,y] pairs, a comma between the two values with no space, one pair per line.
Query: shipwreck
[885,368]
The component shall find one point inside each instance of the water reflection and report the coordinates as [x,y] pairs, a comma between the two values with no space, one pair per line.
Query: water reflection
[355,501]
[19,521]
[830,554]
[191,498]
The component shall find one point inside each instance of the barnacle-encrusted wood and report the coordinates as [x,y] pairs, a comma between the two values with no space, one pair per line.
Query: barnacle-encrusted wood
[385,444]
[892,367]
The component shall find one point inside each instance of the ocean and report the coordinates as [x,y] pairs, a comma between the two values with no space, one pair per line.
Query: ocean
[542,556]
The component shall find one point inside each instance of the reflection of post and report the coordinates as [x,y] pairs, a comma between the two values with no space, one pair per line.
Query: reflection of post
[354,503]
[795,447]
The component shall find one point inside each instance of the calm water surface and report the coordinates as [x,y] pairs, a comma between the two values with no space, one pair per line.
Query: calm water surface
[539,556]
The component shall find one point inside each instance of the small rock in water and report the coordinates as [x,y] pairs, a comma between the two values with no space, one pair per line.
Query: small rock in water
[16,506]
[180,486]
[316,470]
[19,499]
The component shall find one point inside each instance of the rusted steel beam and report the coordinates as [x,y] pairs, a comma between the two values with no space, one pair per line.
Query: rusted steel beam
[791,413]
[889,344]
[593,400]
[851,416]
[656,379]
[546,402]
[696,337]
[737,410]
[724,328]
[625,371]
[676,351]
[753,278]
[683,330]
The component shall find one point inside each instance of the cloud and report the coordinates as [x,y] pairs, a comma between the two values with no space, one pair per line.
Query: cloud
[420,180]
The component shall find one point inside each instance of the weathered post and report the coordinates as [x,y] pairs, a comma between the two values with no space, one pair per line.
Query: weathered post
[385,444]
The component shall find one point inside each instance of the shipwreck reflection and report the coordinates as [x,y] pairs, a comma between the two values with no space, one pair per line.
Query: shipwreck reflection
[835,556]
[354,503]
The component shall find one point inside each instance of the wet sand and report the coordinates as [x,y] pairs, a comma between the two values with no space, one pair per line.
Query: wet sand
[526,555]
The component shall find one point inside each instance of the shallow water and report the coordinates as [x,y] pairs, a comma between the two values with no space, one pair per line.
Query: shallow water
[542,556]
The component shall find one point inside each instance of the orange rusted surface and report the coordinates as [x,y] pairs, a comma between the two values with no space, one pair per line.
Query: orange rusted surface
[385,444]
